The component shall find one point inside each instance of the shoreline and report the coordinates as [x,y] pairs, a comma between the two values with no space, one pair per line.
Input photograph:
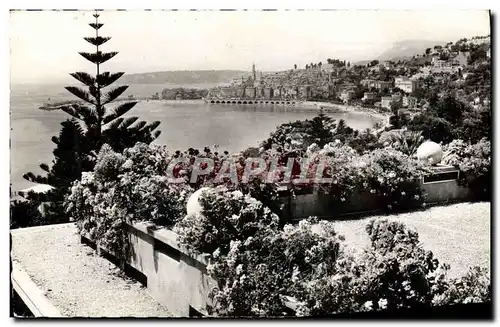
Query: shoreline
[353,109]
[305,105]
[327,107]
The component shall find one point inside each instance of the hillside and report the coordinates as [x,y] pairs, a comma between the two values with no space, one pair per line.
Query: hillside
[407,49]
[183,77]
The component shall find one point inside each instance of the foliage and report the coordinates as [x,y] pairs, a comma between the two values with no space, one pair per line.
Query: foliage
[259,269]
[394,272]
[67,166]
[474,162]
[25,214]
[474,287]
[433,128]
[225,217]
[387,173]
[124,188]
[301,134]
[310,263]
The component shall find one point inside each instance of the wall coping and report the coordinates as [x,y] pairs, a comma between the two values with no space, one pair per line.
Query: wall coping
[31,294]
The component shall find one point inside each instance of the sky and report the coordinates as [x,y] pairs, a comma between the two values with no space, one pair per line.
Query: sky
[44,45]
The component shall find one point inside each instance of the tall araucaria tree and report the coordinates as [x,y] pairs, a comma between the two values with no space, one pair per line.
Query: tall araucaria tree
[92,124]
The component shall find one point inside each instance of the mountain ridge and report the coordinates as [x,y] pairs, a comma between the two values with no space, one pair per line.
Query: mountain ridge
[407,49]
[209,76]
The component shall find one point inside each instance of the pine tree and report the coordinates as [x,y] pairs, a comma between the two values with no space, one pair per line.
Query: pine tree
[320,129]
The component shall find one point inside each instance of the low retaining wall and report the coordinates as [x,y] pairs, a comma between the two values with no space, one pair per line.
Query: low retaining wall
[439,188]
[173,278]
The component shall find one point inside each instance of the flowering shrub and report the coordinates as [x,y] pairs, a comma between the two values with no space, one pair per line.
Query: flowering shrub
[471,159]
[310,262]
[225,216]
[124,188]
[474,287]
[256,271]
[474,162]
[387,173]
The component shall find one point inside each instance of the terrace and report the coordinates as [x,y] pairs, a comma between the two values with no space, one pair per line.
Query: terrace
[56,275]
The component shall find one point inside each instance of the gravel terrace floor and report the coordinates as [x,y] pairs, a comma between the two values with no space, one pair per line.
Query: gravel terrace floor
[457,234]
[77,281]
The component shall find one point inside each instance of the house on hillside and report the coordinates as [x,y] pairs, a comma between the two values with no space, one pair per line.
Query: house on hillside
[346,95]
[368,96]
[385,102]
[461,58]
[372,83]
[409,102]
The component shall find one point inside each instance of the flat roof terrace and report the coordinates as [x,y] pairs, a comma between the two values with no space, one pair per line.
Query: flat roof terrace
[57,276]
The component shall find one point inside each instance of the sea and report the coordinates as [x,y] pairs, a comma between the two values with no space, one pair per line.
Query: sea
[184,123]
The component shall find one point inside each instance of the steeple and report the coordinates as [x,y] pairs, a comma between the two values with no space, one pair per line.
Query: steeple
[253,72]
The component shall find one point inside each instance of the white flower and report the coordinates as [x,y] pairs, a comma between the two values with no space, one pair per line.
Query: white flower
[295,274]
[248,241]
[392,174]
[87,178]
[239,269]
[237,194]
[372,191]
[368,305]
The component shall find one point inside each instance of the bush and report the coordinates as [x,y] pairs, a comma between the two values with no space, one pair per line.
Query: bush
[474,162]
[257,271]
[310,262]
[394,272]
[387,173]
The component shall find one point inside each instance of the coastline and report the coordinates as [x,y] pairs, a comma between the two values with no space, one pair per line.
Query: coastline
[304,105]
[343,108]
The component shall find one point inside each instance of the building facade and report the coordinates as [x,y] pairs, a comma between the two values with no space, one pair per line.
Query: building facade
[385,102]
[406,84]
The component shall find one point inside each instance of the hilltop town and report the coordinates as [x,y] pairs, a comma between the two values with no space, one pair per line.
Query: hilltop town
[385,85]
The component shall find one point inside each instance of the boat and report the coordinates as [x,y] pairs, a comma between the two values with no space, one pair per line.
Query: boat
[57,105]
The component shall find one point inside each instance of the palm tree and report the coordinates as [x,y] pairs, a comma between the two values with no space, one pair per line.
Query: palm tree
[407,141]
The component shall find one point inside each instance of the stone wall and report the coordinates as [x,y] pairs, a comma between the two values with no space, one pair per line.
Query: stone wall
[442,188]
[173,277]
